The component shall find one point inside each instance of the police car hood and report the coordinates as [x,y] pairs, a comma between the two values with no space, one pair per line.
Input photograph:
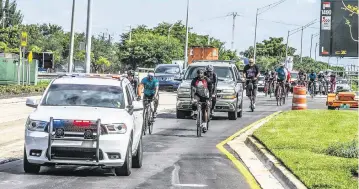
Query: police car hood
[222,84]
[107,115]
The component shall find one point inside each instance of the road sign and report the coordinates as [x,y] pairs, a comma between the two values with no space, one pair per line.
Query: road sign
[339,28]
[29,58]
[23,39]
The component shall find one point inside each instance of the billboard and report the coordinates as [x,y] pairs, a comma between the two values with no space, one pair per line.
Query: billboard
[339,28]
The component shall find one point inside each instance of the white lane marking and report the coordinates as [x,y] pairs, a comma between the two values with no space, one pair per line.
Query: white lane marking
[175,179]
[191,185]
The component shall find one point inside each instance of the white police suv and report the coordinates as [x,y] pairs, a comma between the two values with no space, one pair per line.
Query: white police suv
[85,120]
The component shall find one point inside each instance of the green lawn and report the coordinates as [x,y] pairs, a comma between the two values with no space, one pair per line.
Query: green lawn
[314,145]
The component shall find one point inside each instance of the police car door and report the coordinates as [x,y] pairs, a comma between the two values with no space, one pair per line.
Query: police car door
[137,114]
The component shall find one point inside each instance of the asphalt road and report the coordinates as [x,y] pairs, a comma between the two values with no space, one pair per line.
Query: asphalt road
[173,158]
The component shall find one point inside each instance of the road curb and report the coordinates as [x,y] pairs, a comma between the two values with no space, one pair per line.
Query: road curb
[8,160]
[284,176]
[241,167]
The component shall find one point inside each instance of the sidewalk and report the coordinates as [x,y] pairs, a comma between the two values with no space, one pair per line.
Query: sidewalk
[14,116]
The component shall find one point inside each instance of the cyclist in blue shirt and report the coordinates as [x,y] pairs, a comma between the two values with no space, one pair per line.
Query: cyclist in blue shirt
[281,73]
[312,78]
[150,85]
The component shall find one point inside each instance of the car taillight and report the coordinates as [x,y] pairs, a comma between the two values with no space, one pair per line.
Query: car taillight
[82,123]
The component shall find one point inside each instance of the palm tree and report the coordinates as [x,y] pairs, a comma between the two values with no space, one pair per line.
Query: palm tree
[9,15]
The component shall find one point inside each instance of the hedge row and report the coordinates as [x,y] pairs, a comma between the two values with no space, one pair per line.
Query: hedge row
[6,90]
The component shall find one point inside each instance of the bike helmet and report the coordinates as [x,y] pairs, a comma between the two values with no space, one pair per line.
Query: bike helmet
[321,72]
[209,68]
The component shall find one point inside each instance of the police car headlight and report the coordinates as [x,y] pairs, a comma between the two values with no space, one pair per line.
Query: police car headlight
[35,125]
[116,128]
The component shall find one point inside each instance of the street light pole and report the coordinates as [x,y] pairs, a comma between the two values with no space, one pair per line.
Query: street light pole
[88,37]
[301,46]
[186,45]
[71,62]
[255,37]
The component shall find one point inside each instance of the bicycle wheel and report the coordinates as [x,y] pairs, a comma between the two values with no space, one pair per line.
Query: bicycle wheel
[199,121]
[145,121]
[252,106]
[208,118]
[150,121]
[280,95]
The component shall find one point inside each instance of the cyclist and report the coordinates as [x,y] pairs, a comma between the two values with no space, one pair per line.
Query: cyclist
[332,82]
[150,85]
[282,75]
[212,85]
[251,71]
[200,92]
[302,77]
[133,80]
[312,78]
[322,79]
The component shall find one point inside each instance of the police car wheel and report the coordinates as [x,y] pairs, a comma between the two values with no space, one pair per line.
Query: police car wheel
[29,167]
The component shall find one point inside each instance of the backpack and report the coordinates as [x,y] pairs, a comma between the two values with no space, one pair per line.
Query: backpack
[281,73]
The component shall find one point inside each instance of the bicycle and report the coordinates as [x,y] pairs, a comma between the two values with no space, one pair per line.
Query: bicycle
[148,116]
[199,120]
[250,88]
[312,88]
[271,88]
[322,87]
[280,93]
[266,87]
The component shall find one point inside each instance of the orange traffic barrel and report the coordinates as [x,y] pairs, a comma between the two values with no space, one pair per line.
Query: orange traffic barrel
[299,98]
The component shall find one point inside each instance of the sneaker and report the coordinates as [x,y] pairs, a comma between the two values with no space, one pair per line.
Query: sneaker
[204,127]
[155,115]
[254,105]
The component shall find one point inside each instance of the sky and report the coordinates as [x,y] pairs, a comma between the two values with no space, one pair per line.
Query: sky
[207,17]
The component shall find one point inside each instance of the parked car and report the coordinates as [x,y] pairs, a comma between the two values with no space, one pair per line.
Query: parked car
[261,83]
[229,89]
[85,121]
[342,86]
[166,75]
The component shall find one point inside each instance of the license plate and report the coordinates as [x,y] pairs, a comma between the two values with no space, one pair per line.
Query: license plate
[67,143]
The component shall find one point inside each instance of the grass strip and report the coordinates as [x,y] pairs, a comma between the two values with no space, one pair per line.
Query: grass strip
[320,147]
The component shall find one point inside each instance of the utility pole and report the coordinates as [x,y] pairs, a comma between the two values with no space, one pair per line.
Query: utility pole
[315,51]
[301,46]
[186,45]
[130,33]
[209,41]
[255,37]
[88,37]
[169,32]
[311,43]
[72,40]
[234,14]
[286,48]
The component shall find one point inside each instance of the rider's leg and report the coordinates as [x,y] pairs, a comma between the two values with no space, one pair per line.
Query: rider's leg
[255,87]
[155,104]
[205,114]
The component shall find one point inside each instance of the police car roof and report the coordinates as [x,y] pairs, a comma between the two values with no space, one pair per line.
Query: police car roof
[219,63]
[88,81]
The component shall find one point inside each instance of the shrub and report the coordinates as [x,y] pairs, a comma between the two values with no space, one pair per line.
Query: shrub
[346,150]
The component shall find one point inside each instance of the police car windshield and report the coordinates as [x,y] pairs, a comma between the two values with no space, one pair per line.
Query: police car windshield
[84,95]
[167,69]
[223,73]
